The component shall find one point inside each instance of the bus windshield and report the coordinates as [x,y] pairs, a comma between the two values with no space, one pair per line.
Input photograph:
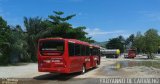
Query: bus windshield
[52,47]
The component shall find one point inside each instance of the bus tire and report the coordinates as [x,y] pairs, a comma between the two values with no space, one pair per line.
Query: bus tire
[83,69]
[96,64]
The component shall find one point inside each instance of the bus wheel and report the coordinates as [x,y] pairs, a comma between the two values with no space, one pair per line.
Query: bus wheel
[83,69]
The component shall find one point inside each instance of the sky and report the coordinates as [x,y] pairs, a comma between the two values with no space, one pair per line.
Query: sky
[103,19]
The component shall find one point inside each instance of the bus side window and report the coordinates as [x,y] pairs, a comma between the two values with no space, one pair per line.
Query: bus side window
[77,50]
[91,51]
[83,50]
[71,49]
[87,51]
[98,52]
[94,51]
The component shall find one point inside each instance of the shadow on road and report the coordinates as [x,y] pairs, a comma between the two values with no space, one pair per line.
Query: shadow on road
[59,77]
[52,76]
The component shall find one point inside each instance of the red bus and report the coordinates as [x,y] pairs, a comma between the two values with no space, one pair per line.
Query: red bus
[131,53]
[58,55]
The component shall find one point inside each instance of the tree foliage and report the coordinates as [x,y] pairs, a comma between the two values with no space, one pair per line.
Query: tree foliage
[19,46]
[147,43]
[139,43]
[129,41]
[34,27]
[4,41]
[116,43]
[12,43]
[151,42]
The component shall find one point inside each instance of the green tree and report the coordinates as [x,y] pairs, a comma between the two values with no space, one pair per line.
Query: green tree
[80,34]
[129,41]
[151,42]
[58,19]
[4,41]
[116,43]
[139,43]
[61,28]
[18,46]
[34,28]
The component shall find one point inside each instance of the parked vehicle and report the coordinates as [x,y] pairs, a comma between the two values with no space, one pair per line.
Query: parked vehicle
[110,53]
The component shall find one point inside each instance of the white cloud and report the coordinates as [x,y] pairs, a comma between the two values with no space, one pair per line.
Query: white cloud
[97,31]
[102,35]
[125,35]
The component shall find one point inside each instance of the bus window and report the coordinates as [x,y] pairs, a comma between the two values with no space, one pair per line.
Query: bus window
[52,47]
[94,51]
[87,51]
[83,50]
[71,49]
[77,50]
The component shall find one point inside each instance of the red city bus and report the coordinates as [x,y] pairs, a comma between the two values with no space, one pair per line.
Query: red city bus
[60,55]
[131,53]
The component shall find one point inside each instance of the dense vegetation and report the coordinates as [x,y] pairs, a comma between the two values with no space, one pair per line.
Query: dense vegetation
[17,45]
[148,43]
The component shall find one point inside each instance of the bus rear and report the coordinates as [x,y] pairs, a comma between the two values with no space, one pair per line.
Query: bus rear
[51,56]
[131,53]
